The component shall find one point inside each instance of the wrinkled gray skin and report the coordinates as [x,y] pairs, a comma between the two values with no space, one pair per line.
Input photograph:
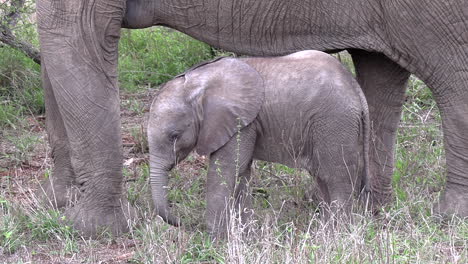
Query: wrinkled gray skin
[304,110]
[387,39]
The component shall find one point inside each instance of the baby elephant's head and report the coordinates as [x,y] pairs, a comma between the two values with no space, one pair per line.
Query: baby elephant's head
[173,124]
[200,110]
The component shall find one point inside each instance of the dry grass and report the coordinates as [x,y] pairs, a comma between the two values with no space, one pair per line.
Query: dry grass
[286,227]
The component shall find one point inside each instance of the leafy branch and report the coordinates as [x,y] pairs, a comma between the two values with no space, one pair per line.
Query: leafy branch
[11,12]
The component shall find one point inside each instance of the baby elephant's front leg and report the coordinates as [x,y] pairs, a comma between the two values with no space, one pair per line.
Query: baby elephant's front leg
[227,191]
[227,197]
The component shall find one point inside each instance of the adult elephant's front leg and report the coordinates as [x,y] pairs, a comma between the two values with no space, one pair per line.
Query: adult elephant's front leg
[384,84]
[58,189]
[79,42]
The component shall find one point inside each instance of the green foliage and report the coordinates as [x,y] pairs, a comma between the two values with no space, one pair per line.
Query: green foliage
[50,224]
[20,87]
[19,225]
[149,57]
[11,229]
[134,105]
[202,251]
[286,226]
[23,146]
[419,165]
[345,58]
[185,196]
[20,91]
[24,26]
[140,138]
[137,188]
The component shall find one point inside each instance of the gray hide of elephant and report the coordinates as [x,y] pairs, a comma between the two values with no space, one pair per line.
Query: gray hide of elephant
[304,110]
[387,40]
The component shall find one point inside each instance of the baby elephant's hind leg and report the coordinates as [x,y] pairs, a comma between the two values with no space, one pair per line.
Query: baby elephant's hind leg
[338,166]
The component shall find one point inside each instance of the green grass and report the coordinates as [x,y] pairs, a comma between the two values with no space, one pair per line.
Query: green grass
[419,157]
[20,87]
[23,146]
[20,83]
[149,57]
[21,223]
[286,227]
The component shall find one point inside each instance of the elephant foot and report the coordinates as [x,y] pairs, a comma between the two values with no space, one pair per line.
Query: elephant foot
[92,220]
[57,194]
[452,203]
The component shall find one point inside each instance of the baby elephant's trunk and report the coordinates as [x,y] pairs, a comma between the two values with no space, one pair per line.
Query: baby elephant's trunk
[158,181]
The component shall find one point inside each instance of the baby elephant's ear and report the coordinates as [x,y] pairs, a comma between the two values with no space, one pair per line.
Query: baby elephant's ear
[233,93]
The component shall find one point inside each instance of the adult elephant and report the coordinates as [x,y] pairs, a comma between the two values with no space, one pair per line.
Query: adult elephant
[388,40]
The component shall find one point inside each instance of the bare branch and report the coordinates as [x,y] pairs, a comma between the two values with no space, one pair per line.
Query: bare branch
[7,37]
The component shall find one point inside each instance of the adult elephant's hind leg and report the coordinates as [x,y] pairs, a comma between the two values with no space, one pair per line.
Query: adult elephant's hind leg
[58,189]
[452,99]
[384,84]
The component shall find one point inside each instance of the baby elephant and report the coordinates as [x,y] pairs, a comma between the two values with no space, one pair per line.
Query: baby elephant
[304,110]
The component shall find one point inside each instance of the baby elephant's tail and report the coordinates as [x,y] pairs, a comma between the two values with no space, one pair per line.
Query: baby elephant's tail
[365,121]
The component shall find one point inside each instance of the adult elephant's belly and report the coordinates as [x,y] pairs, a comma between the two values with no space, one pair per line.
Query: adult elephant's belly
[268,28]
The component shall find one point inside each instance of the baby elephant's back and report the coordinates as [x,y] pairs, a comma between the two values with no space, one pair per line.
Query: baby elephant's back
[307,81]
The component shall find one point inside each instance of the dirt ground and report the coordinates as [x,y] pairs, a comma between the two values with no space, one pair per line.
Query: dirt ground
[21,174]
[404,234]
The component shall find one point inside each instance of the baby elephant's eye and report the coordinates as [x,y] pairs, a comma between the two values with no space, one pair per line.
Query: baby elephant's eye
[173,136]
